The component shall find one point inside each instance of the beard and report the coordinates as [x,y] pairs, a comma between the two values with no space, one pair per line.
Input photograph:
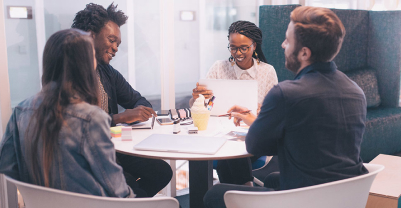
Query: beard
[100,56]
[292,63]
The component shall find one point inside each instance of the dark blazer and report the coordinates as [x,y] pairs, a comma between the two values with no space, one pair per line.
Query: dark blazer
[315,125]
[119,90]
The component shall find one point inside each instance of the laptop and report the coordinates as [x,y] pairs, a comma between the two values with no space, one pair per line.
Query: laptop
[181,143]
[232,92]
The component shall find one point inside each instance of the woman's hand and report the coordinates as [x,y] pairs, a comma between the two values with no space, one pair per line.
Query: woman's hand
[237,112]
[201,89]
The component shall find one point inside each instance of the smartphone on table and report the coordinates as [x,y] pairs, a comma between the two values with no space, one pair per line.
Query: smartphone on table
[164,121]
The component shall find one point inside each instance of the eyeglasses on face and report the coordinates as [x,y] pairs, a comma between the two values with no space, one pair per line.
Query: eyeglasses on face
[244,49]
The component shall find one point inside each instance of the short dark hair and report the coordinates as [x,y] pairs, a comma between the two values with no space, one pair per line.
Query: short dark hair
[250,30]
[94,17]
[320,30]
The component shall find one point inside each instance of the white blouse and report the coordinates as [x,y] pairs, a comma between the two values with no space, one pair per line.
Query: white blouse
[263,73]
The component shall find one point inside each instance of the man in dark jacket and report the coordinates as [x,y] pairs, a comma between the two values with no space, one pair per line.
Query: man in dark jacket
[145,176]
[315,122]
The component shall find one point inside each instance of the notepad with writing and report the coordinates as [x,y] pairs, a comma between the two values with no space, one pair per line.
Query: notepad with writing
[141,125]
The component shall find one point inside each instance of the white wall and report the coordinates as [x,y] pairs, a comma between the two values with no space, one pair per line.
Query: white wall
[7,192]
[147,47]
[186,47]
[22,54]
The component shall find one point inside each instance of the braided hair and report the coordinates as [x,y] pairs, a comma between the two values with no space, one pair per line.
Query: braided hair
[251,31]
[94,17]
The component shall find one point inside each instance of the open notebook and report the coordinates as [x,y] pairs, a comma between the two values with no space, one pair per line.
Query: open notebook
[181,143]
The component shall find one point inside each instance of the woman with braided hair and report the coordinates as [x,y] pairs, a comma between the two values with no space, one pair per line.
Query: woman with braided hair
[247,62]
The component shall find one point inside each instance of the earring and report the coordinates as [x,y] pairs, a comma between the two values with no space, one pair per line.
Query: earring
[257,58]
[231,60]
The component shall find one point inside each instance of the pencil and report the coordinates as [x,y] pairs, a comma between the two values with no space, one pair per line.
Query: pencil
[229,114]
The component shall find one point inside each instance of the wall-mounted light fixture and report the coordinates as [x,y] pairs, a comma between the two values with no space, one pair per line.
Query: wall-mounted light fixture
[19,12]
[187,15]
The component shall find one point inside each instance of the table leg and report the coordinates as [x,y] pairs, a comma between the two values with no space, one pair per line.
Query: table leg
[170,189]
[200,181]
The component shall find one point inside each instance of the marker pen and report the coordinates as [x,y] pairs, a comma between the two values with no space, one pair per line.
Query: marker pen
[210,104]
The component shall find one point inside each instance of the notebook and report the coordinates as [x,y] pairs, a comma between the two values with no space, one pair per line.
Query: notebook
[232,92]
[140,125]
[181,143]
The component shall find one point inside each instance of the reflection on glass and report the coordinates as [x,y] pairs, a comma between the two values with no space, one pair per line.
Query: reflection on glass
[22,53]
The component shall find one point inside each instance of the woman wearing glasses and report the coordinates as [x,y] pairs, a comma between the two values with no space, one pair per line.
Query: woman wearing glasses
[246,62]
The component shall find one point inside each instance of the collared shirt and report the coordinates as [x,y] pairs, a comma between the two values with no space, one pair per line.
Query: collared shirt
[314,124]
[263,73]
[119,91]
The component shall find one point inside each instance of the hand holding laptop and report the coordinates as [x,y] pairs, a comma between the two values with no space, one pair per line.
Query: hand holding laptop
[231,92]
[201,89]
[240,113]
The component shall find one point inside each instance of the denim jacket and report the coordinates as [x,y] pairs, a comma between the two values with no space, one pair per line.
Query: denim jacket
[84,161]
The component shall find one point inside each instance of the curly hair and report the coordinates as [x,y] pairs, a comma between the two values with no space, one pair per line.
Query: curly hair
[94,17]
[251,31]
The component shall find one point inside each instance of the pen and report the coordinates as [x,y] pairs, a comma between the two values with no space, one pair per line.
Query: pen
[210,103]
[229,114]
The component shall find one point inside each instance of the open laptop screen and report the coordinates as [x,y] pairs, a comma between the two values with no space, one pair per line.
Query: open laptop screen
[232,92]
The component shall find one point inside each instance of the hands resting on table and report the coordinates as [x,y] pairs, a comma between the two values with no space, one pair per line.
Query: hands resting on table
[140,113]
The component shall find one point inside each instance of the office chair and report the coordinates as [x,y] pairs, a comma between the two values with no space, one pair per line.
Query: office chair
[348,193]
[43,197]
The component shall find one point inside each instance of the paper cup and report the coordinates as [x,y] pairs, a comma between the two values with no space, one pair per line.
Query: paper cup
[201,120]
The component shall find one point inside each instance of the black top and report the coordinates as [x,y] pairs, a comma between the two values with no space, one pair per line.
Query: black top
[314,124]
[119,90]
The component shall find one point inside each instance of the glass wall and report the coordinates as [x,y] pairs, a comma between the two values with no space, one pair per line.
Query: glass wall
[21,40]
[146,20]
[198,42]
[140,66]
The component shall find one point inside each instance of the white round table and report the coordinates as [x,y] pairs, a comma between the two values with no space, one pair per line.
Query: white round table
[200,165]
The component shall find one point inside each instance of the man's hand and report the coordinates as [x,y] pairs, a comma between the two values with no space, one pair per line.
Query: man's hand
[201,89]
[140,113]
[248,117]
